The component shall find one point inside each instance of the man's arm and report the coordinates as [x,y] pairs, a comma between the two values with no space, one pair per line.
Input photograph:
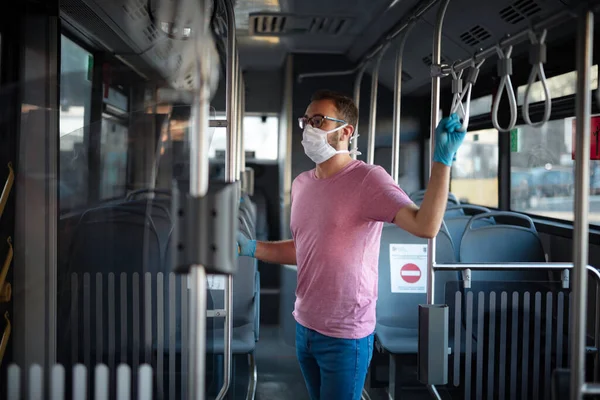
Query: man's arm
[426,221]
[276,252]
[271,252]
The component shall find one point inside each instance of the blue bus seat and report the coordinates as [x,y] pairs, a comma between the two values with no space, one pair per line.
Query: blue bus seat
[419,195]
[113,239]
[457,217]
[513,238]
[397,313]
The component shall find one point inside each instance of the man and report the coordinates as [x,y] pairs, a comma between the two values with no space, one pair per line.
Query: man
[337,215]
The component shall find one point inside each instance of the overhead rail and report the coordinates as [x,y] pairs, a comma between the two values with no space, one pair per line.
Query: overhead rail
[416,13]
[504,50]
[325,74]
[512,40]
[504,73]
[373,109]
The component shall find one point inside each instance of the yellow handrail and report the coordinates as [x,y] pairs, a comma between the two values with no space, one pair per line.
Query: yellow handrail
[5,337]
[5,287]
[7,188]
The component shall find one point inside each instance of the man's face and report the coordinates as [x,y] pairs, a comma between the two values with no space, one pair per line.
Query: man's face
[326,108]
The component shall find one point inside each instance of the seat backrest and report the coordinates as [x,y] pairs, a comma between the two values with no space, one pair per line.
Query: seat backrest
[159,212]
[117,241]
[401,309]
[147,192]
[418,196]
[513,238]
[456,219]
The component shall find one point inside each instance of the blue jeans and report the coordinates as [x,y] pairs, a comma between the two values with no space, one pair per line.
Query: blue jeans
[334,369]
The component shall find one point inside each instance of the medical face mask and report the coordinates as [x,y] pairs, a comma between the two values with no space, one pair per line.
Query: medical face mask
[316,146]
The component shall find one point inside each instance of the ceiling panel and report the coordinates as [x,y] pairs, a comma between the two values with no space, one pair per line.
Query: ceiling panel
[300,15]
[377,27]
[417,57]
[487,24]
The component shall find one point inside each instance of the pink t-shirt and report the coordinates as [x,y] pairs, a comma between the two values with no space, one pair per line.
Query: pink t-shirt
[336,225]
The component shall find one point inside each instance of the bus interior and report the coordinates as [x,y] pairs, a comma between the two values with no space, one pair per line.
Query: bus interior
[139,136]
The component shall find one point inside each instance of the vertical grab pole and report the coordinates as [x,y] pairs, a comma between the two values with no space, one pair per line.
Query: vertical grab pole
[373,111]
[435,116]
[583,109]
[241,113]
[398,104]
[237,118]
[198,188]
[358,80]
[231,90]
[231,175]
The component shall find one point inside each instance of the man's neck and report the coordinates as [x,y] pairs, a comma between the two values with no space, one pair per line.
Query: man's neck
[332,166]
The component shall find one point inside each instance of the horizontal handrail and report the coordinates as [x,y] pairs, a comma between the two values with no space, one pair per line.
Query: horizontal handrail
[511,267]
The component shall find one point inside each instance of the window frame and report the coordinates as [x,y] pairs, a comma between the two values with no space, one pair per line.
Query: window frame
[562,107]
[219,115]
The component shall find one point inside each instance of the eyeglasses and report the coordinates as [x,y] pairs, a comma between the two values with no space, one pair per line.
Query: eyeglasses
[316,121]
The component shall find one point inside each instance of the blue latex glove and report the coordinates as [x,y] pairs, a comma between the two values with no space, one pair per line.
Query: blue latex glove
[447,139]
[246,247]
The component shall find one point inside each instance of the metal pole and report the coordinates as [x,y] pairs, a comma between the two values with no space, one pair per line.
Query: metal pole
[373,111]
[435,116]
[357,82]
[230,87]
[583,109]
[397,106]
[199,145]
[238,123]
[236,115]
[231,173]
[242,113]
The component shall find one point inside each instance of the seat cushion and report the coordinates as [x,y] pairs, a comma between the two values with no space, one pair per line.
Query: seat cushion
[397,340]
[243,340]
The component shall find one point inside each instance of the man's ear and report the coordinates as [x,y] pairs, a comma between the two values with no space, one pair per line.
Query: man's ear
[348,132]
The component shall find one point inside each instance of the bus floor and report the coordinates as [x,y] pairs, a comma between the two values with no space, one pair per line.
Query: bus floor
[279,375]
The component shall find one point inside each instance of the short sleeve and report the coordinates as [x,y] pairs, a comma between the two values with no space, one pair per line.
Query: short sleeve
[381,198]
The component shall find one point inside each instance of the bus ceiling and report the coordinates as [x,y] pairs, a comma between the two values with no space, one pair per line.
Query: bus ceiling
[267,30]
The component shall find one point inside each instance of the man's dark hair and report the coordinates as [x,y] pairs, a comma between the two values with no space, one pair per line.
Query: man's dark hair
[345,105]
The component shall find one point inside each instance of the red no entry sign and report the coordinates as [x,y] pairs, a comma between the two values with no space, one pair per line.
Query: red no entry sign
[410,273]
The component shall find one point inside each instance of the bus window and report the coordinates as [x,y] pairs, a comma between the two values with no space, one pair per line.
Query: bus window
[261,138]
[75,103]
[542,172]
[113,153]
[475,171]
